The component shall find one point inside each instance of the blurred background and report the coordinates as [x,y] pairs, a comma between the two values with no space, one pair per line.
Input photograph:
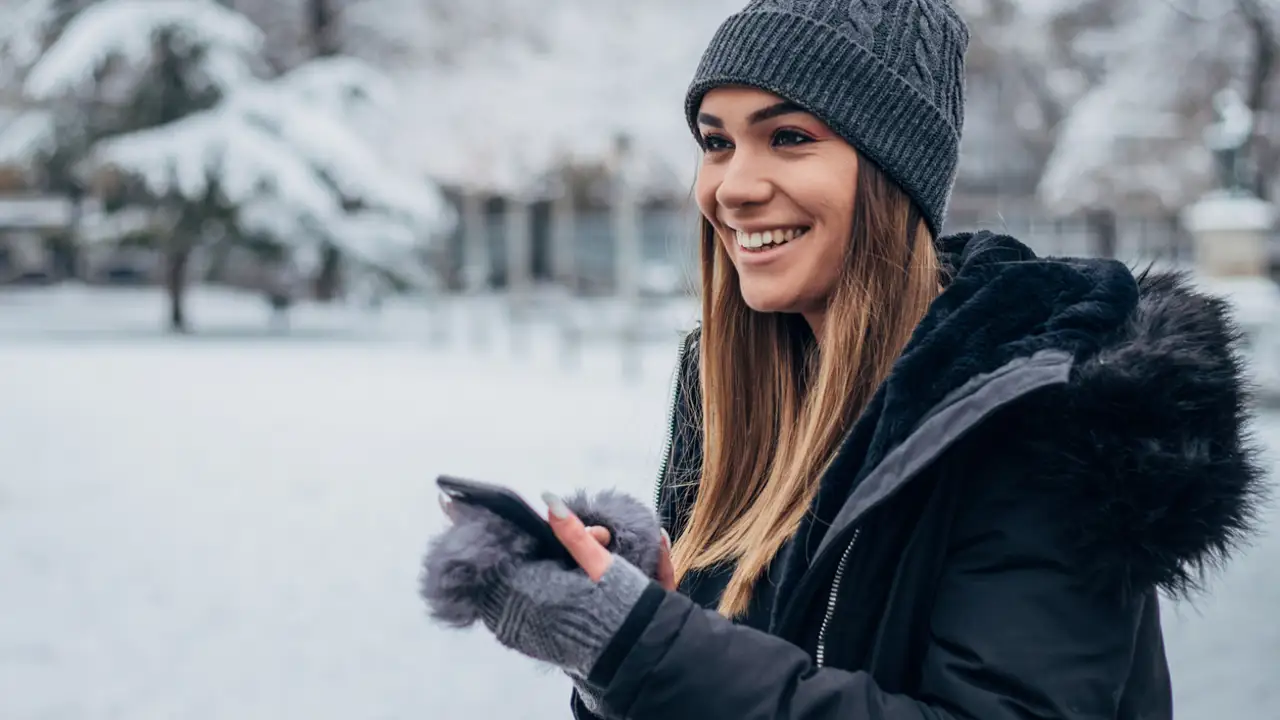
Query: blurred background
[269,266]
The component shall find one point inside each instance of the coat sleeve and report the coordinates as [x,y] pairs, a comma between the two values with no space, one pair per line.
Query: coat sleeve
[1015,634]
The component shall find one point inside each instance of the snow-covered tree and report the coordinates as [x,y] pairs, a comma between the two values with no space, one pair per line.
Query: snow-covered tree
[1028,63]
[278,153]
[278,164]
[1135,138]
[588,72]
[394,33]
[390,33]
[39,140]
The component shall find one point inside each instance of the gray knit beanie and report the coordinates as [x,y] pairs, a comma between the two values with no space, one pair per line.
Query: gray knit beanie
[886,75]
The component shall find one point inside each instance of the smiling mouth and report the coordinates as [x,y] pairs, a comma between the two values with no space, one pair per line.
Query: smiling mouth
[769,239]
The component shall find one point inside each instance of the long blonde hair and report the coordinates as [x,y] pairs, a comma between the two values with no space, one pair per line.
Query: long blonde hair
[774,408]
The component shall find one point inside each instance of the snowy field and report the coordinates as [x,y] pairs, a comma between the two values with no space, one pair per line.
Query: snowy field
[229,525]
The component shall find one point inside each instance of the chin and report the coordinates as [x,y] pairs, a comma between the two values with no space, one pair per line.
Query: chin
[770,299]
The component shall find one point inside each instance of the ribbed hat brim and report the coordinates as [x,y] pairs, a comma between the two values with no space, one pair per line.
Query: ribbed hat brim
[844,85]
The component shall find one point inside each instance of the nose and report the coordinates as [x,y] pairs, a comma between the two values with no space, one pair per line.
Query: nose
[744,183]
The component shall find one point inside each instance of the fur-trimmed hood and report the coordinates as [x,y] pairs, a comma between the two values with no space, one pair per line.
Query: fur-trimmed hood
[1146,445]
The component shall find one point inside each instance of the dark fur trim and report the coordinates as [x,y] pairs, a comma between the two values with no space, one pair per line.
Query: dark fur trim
[1155,462]
[1146,450]
[461,561]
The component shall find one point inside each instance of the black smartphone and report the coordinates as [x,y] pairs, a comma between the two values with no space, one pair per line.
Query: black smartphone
[508,505]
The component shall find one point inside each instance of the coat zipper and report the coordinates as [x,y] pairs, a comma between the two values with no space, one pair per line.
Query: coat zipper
[1044,369]
[671,424]
[821,655]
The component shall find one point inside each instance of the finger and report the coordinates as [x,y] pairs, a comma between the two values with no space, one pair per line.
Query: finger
[601,534]
[585,549]
[666,574]
[446,506]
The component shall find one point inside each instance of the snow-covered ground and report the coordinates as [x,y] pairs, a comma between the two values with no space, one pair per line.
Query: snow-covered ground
[229,525]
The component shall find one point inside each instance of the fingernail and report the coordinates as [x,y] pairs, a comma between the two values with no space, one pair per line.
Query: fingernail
[666,539]
[556,505]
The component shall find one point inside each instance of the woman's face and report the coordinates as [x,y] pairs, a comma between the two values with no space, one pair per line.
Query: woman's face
[778,187]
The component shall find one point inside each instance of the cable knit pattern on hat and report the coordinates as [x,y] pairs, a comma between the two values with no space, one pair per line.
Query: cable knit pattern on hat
[857,19]
[887,75]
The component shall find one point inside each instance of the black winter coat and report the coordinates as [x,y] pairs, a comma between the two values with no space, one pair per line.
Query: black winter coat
[1059,442]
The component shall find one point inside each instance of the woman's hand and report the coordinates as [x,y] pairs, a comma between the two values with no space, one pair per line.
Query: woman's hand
[538,606]
[589,545]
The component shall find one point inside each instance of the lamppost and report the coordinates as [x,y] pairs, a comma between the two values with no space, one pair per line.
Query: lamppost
[1232,230]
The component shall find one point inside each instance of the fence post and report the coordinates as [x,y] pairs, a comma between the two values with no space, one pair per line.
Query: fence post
[627,255]
[564,270]
[519,251]
[476,263]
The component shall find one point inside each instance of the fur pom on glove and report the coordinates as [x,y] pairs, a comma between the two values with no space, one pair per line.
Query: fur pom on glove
[484,568]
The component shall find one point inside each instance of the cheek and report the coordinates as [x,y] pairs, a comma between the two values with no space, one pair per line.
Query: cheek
[830,205]
[832,208]
[837,221]
[831,199]
[704,192]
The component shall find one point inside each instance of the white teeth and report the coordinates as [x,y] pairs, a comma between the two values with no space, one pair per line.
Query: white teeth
[767,237]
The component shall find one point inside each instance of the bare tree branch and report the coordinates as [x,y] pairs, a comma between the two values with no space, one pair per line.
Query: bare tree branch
[1195,13]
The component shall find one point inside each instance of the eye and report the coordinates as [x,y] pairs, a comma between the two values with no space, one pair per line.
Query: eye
[715,143]
[786,137]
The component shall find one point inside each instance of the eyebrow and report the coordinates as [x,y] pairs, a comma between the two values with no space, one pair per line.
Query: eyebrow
[785,107]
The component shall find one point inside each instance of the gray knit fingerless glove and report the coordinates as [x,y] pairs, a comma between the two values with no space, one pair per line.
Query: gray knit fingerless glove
[557,615]
[485,569]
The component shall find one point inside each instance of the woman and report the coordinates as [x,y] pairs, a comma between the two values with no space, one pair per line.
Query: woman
[908,478]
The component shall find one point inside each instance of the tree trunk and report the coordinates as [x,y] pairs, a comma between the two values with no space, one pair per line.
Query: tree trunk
[1102,223]
[176,285]
[328,280]
[322,23]
[322,27]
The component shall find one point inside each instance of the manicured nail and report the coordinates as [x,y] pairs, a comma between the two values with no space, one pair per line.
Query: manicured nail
[556,505]
[666,539]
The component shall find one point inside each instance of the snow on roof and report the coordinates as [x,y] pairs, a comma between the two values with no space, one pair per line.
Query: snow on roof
[1224,211]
